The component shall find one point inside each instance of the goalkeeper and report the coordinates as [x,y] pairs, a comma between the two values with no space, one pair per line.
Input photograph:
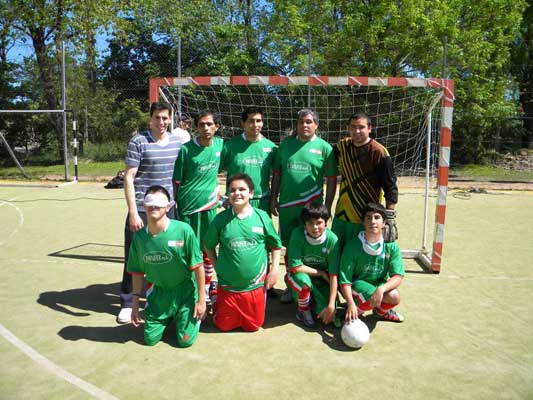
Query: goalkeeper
[368,176]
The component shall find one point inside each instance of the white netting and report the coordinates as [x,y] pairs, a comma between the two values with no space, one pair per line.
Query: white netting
[399,114]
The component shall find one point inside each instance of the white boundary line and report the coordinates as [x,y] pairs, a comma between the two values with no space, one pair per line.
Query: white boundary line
[54,368]
[21,219]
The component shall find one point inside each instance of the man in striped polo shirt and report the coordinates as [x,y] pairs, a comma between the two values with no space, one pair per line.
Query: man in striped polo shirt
[150,160]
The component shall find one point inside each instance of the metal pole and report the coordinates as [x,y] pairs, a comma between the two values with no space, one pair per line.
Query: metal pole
[444,56]
[75,145]
[309,48]
[426,193]
[179,76]
[64,91]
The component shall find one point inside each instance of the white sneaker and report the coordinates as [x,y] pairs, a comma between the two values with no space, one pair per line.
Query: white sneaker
[286,297]
[124,316]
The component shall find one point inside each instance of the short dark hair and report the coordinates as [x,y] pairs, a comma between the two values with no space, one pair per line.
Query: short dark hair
[157,189]
[205,113]
[250,110]
[314,210]
[242,177]
[160,106]
[360,115]
[374,208]
[306,111]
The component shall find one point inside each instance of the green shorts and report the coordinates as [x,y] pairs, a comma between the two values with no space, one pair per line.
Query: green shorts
[200,221]
[262,203]
[345,231]
[319,289]
[289,218]
[364,290]
[165,304]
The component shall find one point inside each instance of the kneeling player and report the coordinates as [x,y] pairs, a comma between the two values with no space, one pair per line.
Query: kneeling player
[168,253]
[243,234]
[313,257]
[371,270]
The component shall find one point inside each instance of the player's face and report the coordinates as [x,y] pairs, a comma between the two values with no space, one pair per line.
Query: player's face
[315,227]
[253,125]
[359,131]
[159,122]
[206,128]
[155,213]
[373,222]
[239,193]
[306,128]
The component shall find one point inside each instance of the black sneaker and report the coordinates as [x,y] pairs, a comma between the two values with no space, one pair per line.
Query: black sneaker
[306,317]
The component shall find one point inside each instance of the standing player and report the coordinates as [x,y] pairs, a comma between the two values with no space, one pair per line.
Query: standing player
[150,158]
[182,130]
[195,179]
[313,267]
[371,269]
[253,154]
[367,176]
[243,234]
[302,162]
[167,252]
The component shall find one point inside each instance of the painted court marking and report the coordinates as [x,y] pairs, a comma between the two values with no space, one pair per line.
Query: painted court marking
[21,219]
[54,368]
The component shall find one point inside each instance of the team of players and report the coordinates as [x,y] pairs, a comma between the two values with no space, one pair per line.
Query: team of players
[167,252]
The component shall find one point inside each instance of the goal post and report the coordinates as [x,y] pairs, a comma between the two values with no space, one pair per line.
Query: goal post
[412,117]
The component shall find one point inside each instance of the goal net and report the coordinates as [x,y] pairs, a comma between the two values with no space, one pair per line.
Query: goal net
[410,116]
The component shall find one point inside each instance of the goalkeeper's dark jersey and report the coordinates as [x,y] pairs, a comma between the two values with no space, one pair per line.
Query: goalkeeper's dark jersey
[367,176]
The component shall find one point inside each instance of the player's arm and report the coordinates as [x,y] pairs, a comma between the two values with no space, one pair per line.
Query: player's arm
[331,189]
[199,276]
[272,276]
[328,313]
[134,220]
[311,271]
[137,285]
[351,309]
[212,254]
[274,192]
[387,180]
[377,297]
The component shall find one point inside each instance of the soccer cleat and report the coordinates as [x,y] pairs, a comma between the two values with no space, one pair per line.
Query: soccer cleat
[286,297]
[124,316]
[390,315]
[306,317]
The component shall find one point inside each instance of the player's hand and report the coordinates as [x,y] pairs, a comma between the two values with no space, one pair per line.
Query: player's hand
[327,314]
[199,310]
[351,313]
[390,230]
[377,297]
[274,207]
[135,318]
[271,279]
[135,222]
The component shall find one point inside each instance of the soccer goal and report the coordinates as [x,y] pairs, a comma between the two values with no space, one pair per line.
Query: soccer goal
[412,117]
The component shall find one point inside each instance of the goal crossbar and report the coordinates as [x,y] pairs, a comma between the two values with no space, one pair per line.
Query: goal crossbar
[430,258]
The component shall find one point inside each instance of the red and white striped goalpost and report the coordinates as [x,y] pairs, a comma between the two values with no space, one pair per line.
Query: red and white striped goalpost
[430,259]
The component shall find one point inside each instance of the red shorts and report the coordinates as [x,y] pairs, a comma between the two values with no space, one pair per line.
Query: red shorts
[244,310]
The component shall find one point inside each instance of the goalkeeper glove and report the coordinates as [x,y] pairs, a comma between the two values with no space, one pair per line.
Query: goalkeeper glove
[390,231]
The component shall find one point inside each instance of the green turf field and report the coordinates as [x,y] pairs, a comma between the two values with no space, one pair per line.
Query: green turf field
[468,332]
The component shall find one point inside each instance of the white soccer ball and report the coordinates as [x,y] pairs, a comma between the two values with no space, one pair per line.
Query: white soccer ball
[355,334]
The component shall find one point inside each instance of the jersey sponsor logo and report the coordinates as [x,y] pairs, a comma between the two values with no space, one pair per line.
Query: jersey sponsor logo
[176,243]
[325,250]
[373,268]
[315,151]
[208,167]
[242,243]
[267,150]
[253,161]
[298,166]
[157,257]
[313,260]
[257,229]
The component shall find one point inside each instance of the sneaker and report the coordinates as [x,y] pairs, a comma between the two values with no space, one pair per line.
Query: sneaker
[306,317]
[124,316]
[391,315]
[286,297]
[212,292]
[271,293]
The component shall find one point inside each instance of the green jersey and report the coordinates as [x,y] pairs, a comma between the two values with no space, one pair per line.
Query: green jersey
[303,250]
[303,166]
[196,173]
[242,257]
[168,258]
[356,264]
[252,158]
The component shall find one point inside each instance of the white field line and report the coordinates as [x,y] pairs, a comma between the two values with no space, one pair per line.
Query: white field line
[54,368]
[21,219]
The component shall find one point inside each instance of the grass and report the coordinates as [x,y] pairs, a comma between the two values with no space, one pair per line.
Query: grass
[490,173]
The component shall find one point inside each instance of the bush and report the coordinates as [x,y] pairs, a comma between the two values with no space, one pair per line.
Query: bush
[108,151]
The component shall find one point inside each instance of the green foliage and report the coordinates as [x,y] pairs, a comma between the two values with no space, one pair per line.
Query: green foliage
[106,151]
